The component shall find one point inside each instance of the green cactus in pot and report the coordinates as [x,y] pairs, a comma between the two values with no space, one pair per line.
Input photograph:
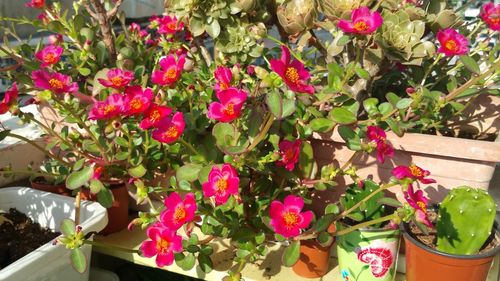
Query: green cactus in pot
[465,221]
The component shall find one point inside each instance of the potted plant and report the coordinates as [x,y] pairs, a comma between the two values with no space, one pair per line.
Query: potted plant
[463,243]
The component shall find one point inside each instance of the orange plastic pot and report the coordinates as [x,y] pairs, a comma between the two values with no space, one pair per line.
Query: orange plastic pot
[118,213]
[314,260]
[52,188]
[426,264]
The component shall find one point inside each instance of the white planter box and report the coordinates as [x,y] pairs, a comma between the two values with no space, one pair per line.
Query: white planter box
[49,262]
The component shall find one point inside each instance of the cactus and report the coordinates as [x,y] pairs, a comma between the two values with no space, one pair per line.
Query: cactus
[465,220]
[368,211]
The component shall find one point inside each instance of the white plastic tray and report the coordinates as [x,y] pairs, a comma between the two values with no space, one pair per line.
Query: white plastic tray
[49,262]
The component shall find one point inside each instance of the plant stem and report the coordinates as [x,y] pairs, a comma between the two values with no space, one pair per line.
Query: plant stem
[188,145]
[267,125]
[365,224]
[78,201]
[349,162]
[429,70]
[35,145]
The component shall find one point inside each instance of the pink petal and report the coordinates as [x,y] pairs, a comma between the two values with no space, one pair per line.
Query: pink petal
[276,209]
[295,202]
[401,172]
[148,248]
[164,259]
[306,219]
[285,55]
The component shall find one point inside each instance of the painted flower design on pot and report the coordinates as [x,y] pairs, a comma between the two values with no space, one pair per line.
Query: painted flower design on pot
[171,70]
[170,130]
[345,275]
[54,82]
[10,97]
[384,148]
[178,211]
[452,42]
[222,183]
[379,256]
[163,244]
[293,73]
[412,172]
[418,201]
[490,13]
[229,107]
[289,151]
[117,78]
[49,55]
[287,218]
[362,22]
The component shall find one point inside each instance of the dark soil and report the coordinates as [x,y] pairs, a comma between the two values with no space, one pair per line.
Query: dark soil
[19,236]
[430,239]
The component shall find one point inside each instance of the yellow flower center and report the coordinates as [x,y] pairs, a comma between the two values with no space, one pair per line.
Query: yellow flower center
[136,103]
[422,206]
[495,19]
[170,74]
[117,81]
[50,58]
[154,116]
[162,245]
[290,219]
[180,213]
[288,154]
[451,45]
[172,132]
[361,25]
[223,86]
[229,110]
[172,25]
[109,109]
[416,171]
[56,84]
[221,185]
[292,75]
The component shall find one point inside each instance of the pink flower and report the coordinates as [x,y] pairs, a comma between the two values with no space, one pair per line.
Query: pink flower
[38,4]
[293,73]
[490,13]
[221,183]
[55,39]
[287,219]
[378,136]
[452,42]
[418,201]
[117,78]
[412,172]
[289,151]
[178,212]
[223,75]
[362,22]
[163,244]
[10,97]
[139,100]
[169,130]
[113,106]
[49,55]
[136,28]
[229,107]
[98,170]
[169,25]
[55,82]
[154,115]
[171,71]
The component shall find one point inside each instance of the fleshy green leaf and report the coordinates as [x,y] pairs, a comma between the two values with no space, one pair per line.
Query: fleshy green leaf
[78,260]
[404,103]
[291,254]
[68,227]
[205,263]
[105,198]
[4,134]
[342,116]
[137,172]
[306,160]
[324,222]
[95,186]
[322,125]
[389,201]
[80,178]
[188,172]
[352,139]
[332,208]
[213,29]
[274,102]
[470,64]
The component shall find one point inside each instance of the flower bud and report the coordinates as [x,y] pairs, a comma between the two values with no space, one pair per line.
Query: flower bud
[340,8]
[297,15]
[259,30]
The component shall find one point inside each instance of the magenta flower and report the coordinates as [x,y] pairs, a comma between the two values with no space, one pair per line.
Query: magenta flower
[412,172]
[287,219]
[10,97]
[490,13]
[49,55]
[171,71]
[418,201]
[169,25]
[378,136]
[362,22]
[138,101]
[136,28]
[223,75]
[221,183]
[113,106]
[55,82]
[38,4]
[169,130]
[154,115]
[229,107]
[163,244]
[452,42]
[117,78]
[289,151]
[178,211]
[293,73]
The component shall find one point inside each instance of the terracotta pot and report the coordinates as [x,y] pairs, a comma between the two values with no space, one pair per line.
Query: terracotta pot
[368,254]
[53,188]
[118,213]
[473,162]
[314,259]
[426,264]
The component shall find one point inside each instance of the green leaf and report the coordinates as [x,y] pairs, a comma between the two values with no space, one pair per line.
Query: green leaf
[470,64]
[395,126]
[324,222]
[321,125]
[353,141]
[4,134]
[78,260]
[213,29]
[56,26]
[80,178]
[105,198]
[306,160]
[291,254]
[332,208]
[389,202]
[225,134]
[205,263]
[84,71]
[342,116]
[188,172]
[137,172]
[404,103]
[68,227]
[370,105]
[184,185]
[363,74]
[343,40]
[385,108]
[95,186]
[78,22]
[274,102]
[392,98]
[325,239]
[78,164]
[188,262]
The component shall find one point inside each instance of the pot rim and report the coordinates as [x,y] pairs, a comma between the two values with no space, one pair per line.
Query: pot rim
[372,229]
[488,254]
